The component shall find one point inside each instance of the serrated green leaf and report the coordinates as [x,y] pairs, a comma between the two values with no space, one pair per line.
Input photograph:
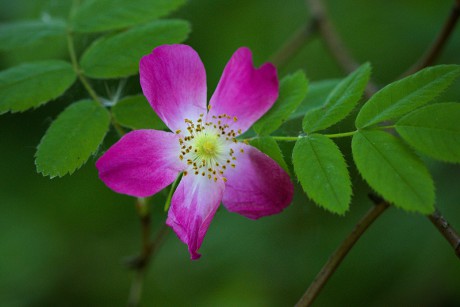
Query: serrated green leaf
[135,113]
[116,56]
[403,96]
[72,138]
[316,96]
[293,89]
[104,15]
[393,171]
[433,130]
[26,33]
[322,172]
[33,84]
[340,102]
[270,147]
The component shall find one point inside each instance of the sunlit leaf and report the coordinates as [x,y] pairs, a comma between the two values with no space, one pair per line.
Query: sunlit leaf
[322,172]
[103,15]
[135,113]
[433,130]
[316,96]
[26,33]
[340,102]
[33,84]
[118,55]
[403,96]
[393,170]
[72,138]
[270,147]
[293,89]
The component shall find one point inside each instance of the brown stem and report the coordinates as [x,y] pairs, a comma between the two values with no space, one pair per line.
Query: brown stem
[438,44]
[334,43]
[294,43]
[148,250]
[340,253]
[446,230]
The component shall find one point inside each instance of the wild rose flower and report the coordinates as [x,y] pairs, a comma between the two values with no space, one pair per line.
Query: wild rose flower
[216,167]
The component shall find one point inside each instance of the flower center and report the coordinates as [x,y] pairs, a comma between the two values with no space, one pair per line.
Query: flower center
[209,147]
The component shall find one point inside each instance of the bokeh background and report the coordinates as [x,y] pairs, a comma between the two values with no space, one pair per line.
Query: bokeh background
[63,241]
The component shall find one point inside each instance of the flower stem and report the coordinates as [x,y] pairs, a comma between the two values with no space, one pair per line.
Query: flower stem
[171,191]
[340,253]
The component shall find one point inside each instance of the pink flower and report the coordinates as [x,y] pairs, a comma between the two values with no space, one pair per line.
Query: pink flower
[216,167]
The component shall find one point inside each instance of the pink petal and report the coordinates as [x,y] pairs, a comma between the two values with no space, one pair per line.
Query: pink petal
[193,206]
[243,91]
[141,163]
[258,186]
[173,79]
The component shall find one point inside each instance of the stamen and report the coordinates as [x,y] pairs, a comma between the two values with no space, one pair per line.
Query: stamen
[207,146]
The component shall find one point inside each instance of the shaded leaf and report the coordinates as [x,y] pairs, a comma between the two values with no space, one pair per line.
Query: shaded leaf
[104,15]
[72,138]
[136,113]
[403,96]
[31,85]
[393,171]
[316,96]
[322,172]
[433,130]
[118,55]
[340,102]
[293,89]
[26,33]
[270,147]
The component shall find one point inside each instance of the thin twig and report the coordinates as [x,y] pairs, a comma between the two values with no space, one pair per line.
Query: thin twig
[148,250]
[438,44]
[334,43]
[446,230]
[338,256]
[292,46]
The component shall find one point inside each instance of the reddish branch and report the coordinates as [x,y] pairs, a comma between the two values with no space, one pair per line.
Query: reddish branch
[340,253]
[334,43]
[446,230]
[440,41]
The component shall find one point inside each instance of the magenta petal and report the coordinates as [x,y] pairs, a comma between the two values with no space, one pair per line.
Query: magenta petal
[243,91]
[141,163]
[193,206]
[173,79]
[258,186]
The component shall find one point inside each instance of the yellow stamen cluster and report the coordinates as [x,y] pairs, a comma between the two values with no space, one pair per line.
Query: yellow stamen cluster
[207,146]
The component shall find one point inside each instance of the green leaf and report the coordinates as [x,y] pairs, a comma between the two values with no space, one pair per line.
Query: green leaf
[270,147]
[340,102]
[118,55]
[135,113]
[433,130]
[26,33]
[293,89]
[403,96]
[322,172]
[72,138]
[393,170]
[31,85]
[104,15]
[316,95]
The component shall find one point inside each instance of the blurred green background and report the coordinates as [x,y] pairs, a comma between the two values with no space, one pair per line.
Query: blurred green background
[63,241]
